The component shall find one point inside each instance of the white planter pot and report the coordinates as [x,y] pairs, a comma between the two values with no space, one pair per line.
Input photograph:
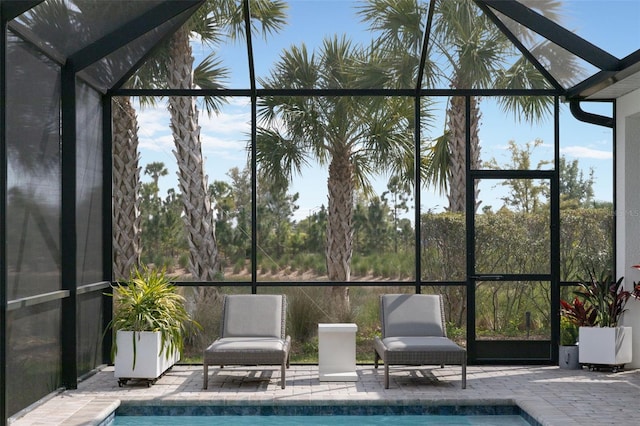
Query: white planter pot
[605,345]
[150,362]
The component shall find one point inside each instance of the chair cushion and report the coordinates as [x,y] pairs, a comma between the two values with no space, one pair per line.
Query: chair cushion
[412,343]
[253,315]
[420,351]
[411,315]
[256,344]
[247,351]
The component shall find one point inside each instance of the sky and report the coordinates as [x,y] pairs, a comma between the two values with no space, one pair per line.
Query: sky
[224,136]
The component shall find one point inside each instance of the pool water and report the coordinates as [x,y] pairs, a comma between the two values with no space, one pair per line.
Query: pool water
[399,420]
[338,415]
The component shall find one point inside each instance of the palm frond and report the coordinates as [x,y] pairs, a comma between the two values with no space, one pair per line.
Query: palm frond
[267,17]
[438,160]
[210,74]
[279,157]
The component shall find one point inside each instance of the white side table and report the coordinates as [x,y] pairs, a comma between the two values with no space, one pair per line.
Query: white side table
[337,352]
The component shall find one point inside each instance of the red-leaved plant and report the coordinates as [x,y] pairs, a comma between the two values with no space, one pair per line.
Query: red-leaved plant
[599,301]
[577,313]
[636,286]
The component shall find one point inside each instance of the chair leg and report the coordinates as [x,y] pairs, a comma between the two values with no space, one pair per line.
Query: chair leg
[386,375]
[205,379]
[464,376]
[376,358]
[282,373]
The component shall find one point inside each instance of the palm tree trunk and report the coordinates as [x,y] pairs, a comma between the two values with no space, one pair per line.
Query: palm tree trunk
[457,171]
[198,214]
[126,189]
[341,189]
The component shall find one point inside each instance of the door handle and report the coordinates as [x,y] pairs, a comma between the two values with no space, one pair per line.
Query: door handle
[487,277]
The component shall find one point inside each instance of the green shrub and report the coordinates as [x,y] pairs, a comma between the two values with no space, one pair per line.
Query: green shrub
[206,304]
[304,312]
[183,261]
[568,332]
[238,267]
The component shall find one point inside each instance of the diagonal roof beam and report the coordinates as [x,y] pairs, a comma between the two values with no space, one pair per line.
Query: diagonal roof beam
[247,27]
[425,46]
[15,8]
[555,33]
[128,32]
[516,42]
[127,75]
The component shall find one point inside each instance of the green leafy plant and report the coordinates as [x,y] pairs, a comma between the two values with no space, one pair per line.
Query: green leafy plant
[149,302]
[568,332]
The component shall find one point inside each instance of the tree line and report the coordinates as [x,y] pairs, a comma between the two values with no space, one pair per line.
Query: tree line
[383,229]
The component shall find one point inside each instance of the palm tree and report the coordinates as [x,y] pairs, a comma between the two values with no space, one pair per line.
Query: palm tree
[475,55]
[353,137]
[173,69]
[127,238]
[156,170]
[480,59]
[198,215]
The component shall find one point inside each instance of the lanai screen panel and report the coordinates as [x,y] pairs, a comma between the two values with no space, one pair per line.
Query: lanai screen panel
[33,177]
[89,331]
[33,207]
[89,209]
[33,354]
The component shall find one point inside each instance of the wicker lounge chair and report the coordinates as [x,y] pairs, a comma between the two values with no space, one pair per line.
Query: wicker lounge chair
[252,333]
[413,333]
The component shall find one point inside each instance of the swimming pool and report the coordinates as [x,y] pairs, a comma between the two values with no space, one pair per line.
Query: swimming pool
[397,415]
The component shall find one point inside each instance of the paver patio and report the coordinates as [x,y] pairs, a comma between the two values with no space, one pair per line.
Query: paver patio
[551,395]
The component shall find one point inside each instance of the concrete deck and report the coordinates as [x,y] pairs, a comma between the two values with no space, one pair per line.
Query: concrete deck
[551,395]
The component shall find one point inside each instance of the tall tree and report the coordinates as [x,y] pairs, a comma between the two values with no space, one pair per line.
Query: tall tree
[198,216]
[401,193]
[173,68]
[575,189]
[524,195]
[353,136]
[275,209]
[227,15]
[127,228]
[156,170]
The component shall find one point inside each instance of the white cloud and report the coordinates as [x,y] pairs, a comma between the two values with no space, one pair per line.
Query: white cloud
[161,143]
[222,135]
[244,102]
[221,148]
[227,122]
[152,121]
[585,152]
